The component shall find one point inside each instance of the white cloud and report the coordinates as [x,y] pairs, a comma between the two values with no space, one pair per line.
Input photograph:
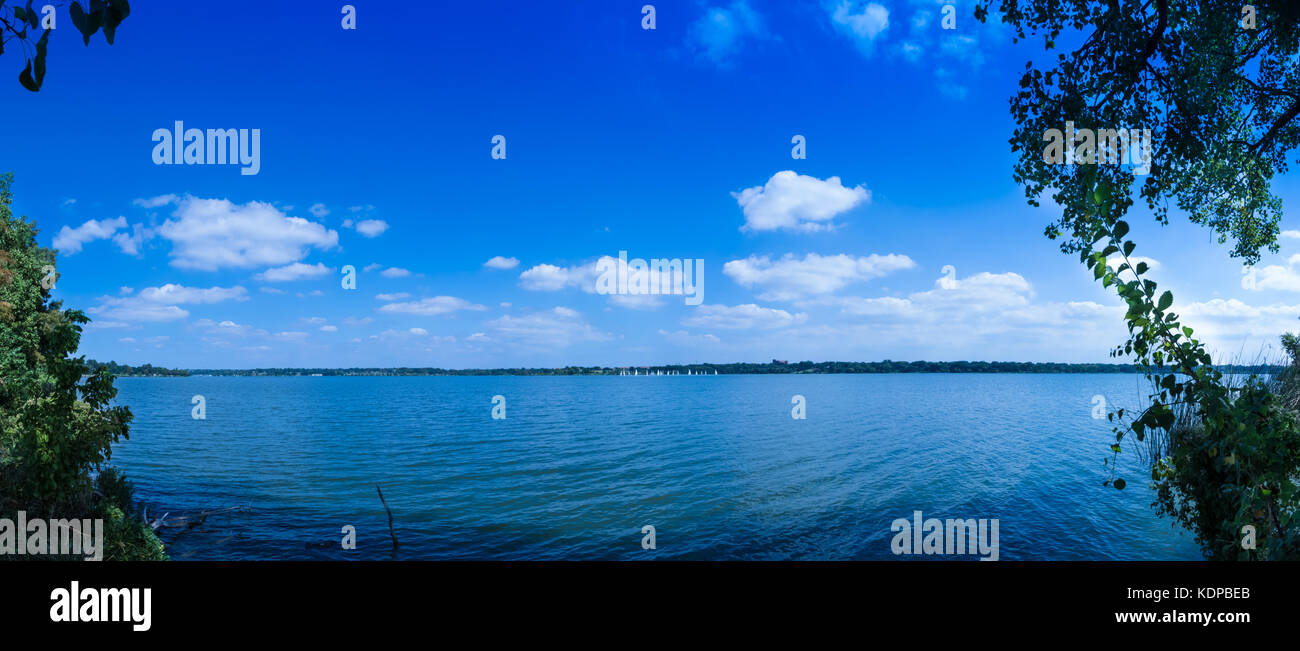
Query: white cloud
[371,227]
[1274,276]
[718,35]
[1115,261]
[319,210]
[797,202]
[172,293]
[684,338]
[329,328]
[549,278]
[371,267]
[136,310]
[157,304]
[70,240]
[431,306]
[130,243]
[790,278]
[498,262]
[392,297]
[555,328]
[862,27]
[292,272]
[211,234]
[742,317]
[158,201]
[637,301]
[395,272]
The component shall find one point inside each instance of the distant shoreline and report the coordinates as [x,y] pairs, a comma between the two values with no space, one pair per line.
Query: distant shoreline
[741,368]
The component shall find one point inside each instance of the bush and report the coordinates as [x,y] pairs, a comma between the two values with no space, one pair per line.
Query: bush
[57,420]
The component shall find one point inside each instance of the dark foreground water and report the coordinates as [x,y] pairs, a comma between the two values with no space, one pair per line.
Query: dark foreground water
[715,463]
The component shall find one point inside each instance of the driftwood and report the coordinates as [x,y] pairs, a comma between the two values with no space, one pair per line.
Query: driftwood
[391,534]
[183,521]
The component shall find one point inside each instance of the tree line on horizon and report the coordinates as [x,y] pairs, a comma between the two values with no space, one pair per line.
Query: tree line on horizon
[737,368]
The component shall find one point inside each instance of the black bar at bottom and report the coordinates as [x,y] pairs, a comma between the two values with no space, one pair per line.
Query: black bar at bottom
[204,601]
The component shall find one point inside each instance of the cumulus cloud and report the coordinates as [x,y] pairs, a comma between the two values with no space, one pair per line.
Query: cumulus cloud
[212,234]
[797,202]
[1115,261]
[130,243]
[685,338]
[158,201]
[431,306]
[70,240]
[392,297]
[556,328]
[862,26]
[1274,276]
[395,272]
[550,278]
[499,262]
[719,34]
[319,210]
[172,293]
[292,272]
[156,304]
[742,317]
[371,227]
[790,278]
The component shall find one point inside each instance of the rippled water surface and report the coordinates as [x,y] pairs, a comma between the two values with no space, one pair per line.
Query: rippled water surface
[580,464]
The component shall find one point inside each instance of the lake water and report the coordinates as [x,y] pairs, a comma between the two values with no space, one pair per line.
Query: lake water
[580,464]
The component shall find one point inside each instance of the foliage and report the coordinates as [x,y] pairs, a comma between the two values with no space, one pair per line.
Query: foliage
[146,370]
[1222,99]
[102,14]
[57,420]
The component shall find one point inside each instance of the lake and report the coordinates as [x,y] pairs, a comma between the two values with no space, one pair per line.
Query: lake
[716,464]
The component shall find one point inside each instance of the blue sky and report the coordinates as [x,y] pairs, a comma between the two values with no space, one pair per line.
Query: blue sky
[375,152]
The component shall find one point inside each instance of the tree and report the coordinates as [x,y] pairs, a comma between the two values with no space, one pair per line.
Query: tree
[57,420]
[1218,87]
[102,14]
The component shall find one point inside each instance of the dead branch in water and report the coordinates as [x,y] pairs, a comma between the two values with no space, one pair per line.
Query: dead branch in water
[185,521]
[390,516]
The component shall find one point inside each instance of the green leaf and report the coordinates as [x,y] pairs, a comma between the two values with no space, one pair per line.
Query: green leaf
[86,23]
[25,78]
[1128,248]
[114,14]
[1166,299]
[1120,230]
[41,47]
